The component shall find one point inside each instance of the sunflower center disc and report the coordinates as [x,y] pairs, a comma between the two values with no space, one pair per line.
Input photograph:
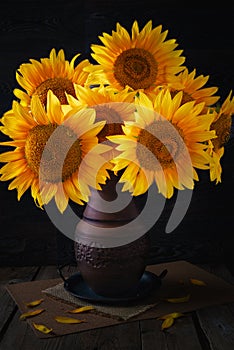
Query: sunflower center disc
[113,122]
[59,86]
[186,97]
[136,68]
[159,145]
[222,126]
[59,159]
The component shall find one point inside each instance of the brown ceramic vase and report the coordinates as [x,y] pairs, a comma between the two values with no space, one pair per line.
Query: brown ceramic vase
[110,271]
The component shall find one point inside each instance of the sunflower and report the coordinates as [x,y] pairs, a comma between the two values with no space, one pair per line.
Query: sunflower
[142,61]
[193,88]
[165,144]
[53,73]
[222,125]
[110,105]
[56,155]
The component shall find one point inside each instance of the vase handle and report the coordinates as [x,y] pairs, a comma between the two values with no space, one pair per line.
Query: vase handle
[163,274]
[59,269]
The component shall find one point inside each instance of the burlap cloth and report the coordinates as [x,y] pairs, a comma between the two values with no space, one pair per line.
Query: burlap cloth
[57,301]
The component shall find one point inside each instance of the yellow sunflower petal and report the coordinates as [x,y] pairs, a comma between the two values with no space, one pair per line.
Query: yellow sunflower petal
[42,328]
[50,73]
[67,320]
[157,56]
[31,131]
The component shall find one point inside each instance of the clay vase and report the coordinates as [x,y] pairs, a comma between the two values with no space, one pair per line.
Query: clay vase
[109,258]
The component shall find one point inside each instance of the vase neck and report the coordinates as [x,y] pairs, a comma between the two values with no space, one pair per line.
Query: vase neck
[110,204]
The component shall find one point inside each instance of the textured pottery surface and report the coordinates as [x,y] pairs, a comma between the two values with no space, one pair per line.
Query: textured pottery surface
[113,271]
[110,270]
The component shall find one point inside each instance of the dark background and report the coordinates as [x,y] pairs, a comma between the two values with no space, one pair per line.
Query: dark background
[204,30]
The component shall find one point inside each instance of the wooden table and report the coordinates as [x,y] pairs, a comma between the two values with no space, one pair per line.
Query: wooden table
[211,328]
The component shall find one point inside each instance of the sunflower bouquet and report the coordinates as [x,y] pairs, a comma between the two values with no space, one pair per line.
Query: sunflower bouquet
[136,110]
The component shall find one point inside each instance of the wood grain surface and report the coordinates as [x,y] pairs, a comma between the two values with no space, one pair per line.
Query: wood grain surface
[210,328]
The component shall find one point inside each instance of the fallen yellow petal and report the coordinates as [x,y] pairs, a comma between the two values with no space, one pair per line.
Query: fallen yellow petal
[168,322]
[197,282]
[172,315]
[31,314]
[34,303]
[81,309]
[42,328]
[62,319]
[178,300]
